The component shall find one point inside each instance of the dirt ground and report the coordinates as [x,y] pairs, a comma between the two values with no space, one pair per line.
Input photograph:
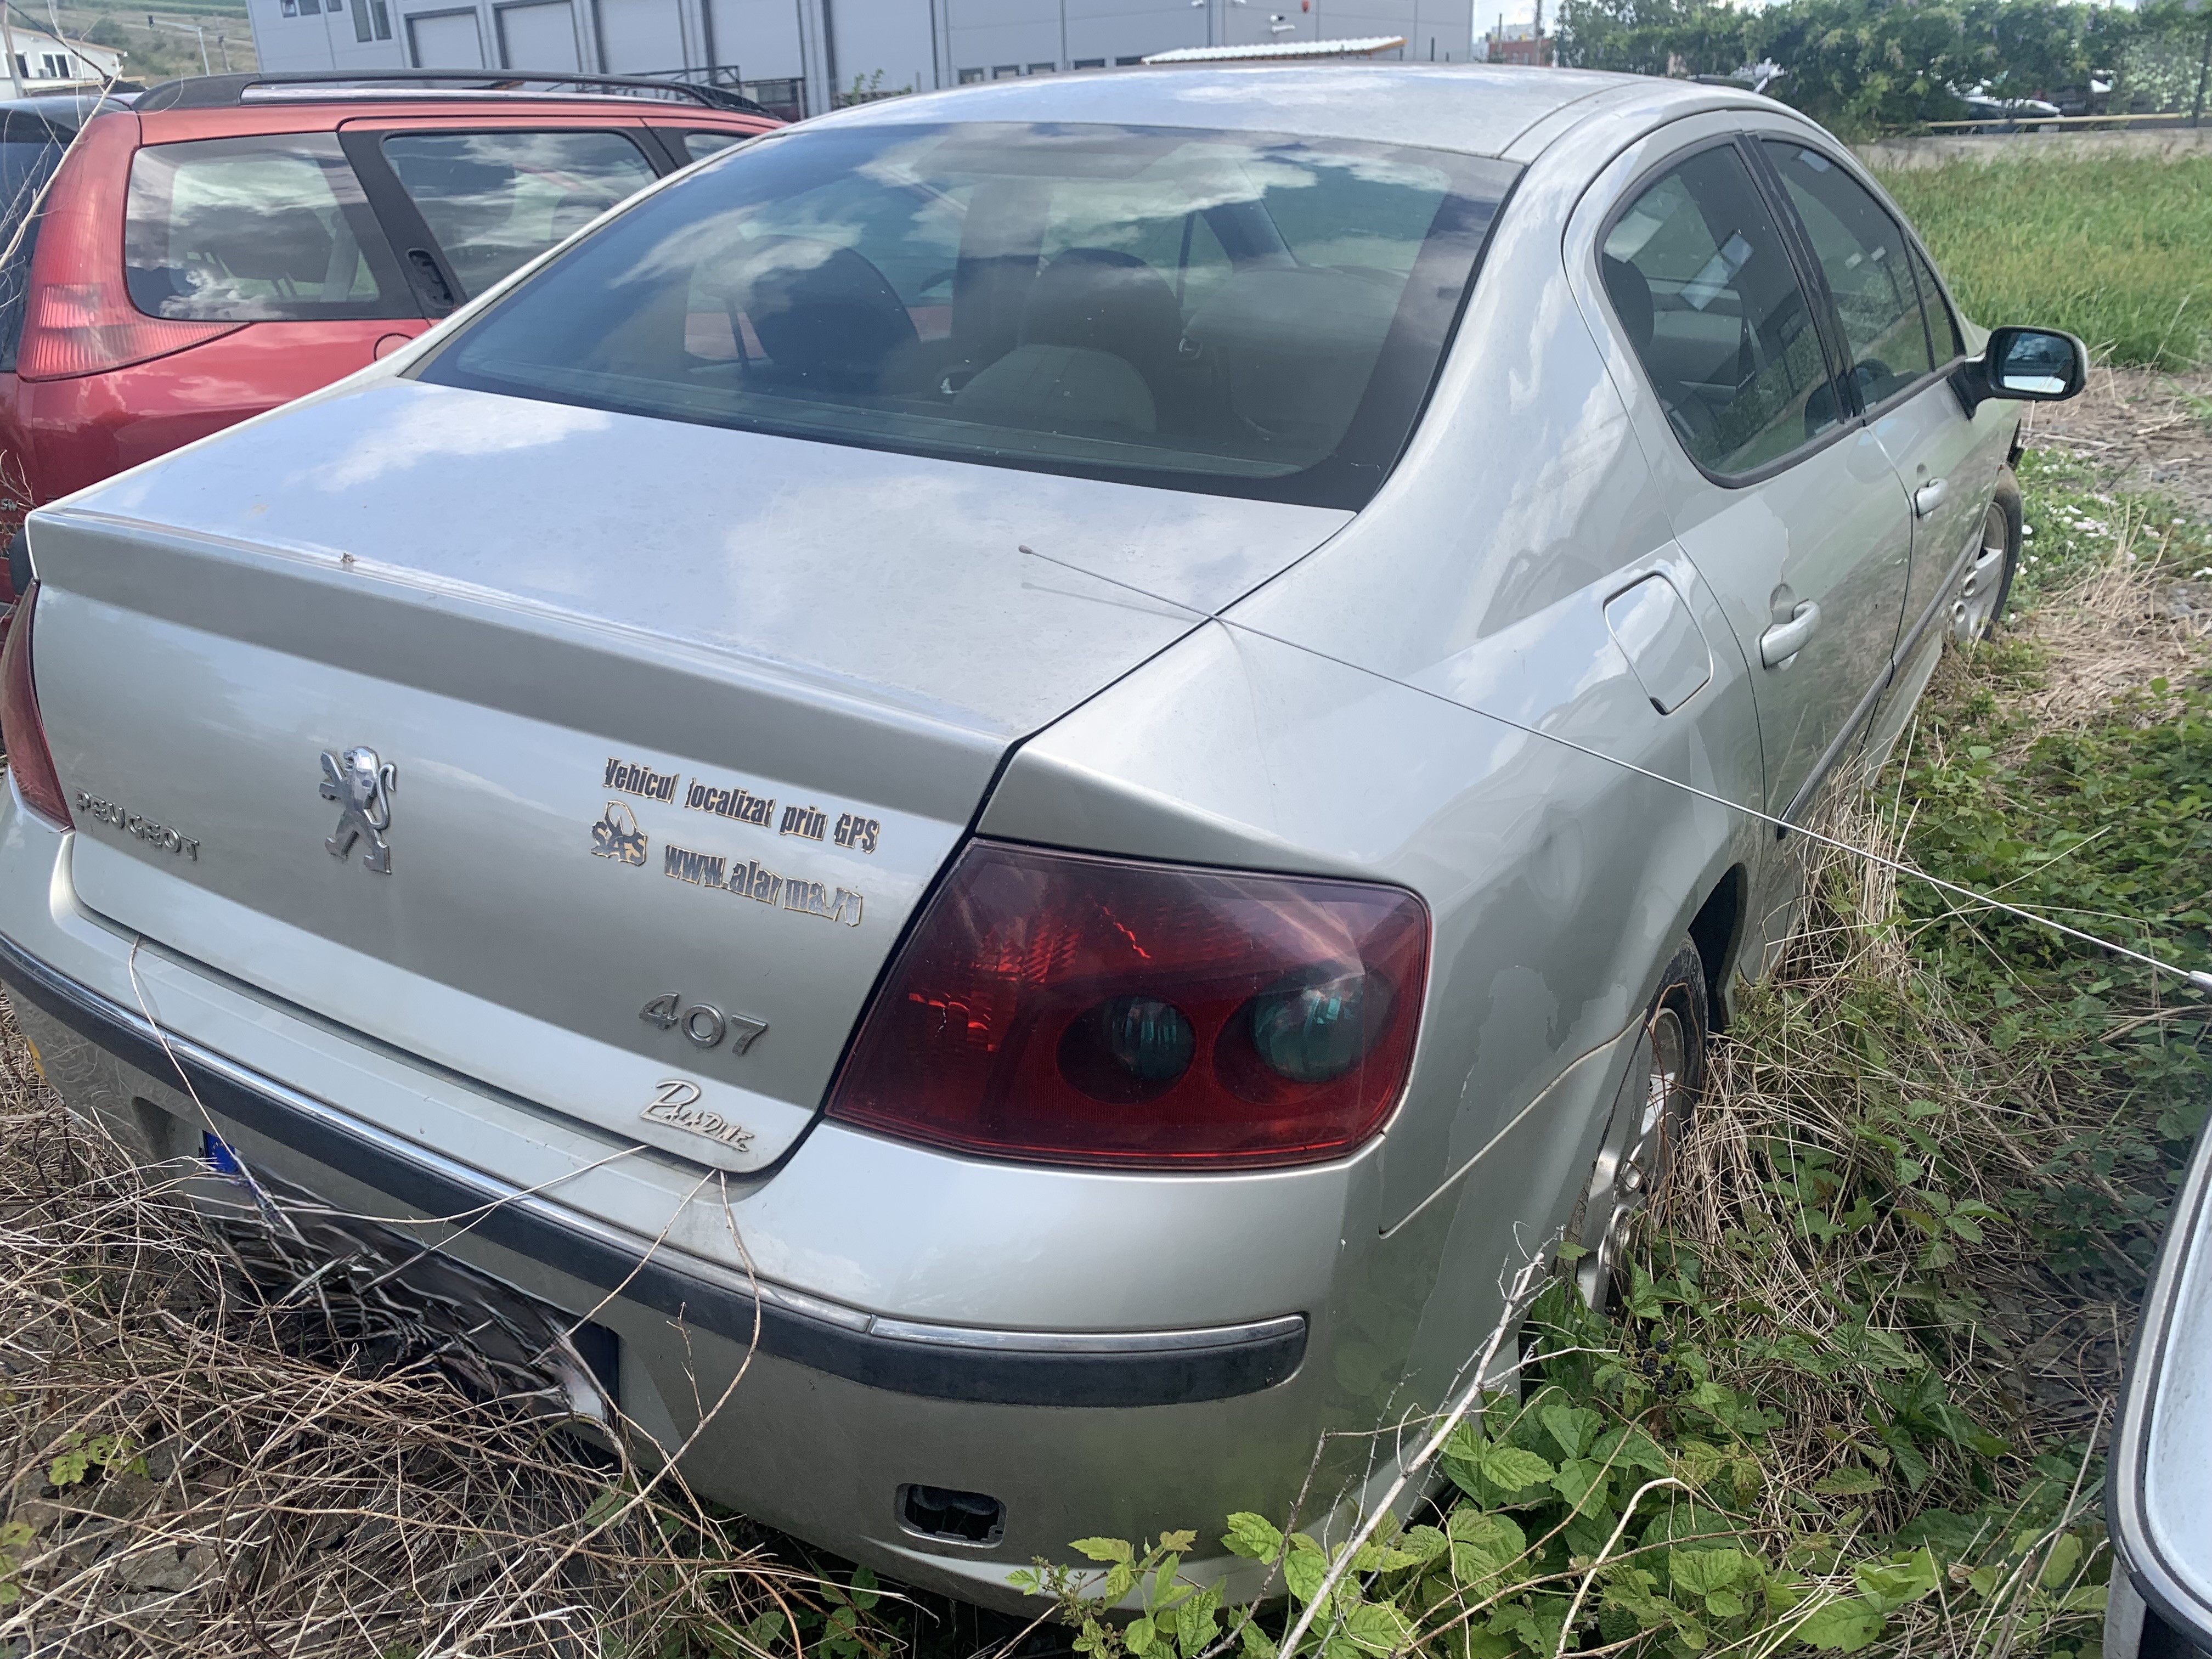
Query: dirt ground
[2142,429]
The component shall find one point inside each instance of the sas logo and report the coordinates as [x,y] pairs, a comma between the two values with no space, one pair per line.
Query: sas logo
[617,836]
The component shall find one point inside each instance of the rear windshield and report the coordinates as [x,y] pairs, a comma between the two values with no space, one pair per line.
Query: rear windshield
[1233,313]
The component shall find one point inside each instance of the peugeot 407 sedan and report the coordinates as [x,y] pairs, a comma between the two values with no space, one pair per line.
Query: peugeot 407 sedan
[1018,751]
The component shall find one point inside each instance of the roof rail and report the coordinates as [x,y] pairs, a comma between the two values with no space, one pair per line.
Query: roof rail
[227,91]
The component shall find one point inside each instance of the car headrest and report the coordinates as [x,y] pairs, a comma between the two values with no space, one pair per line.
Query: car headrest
[255,244]
[1630,293]
[823,313]
[1099,299]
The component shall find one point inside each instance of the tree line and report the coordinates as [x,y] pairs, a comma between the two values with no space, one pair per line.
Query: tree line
[1865,66]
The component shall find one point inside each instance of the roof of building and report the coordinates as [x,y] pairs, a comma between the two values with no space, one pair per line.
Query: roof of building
[1479,108]
[1366,46]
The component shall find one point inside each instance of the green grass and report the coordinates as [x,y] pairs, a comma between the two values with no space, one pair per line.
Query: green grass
[2115,249]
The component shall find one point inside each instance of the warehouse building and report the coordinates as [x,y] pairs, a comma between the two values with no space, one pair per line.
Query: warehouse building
[802,57]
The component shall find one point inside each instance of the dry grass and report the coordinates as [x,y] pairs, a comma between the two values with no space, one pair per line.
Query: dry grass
[193,1467]
[2128,621]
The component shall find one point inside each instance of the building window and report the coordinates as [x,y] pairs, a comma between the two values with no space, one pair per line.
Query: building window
[1043,68]
[291,8]
[968,77]
[1089,62]
[54,65]
[1006,71]
[1124,62]
[371,21]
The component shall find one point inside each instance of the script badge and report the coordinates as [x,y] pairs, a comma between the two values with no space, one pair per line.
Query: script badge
[676,1103]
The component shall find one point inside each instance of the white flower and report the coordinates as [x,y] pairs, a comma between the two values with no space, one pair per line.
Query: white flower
[2027,530]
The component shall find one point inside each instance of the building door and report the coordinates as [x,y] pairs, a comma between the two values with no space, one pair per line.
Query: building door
[637,37]
[539,36]
[446,39]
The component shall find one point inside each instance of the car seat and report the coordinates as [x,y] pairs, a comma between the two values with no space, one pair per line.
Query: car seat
[826,316]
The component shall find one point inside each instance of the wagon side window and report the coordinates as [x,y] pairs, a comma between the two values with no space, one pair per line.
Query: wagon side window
[1706,294]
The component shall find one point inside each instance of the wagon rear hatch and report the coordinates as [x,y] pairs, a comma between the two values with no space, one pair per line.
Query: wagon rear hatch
[670,725]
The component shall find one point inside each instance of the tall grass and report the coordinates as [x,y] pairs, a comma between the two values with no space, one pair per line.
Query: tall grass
[2116,249]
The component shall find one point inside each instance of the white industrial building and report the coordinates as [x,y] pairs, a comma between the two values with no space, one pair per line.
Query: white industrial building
[805,55]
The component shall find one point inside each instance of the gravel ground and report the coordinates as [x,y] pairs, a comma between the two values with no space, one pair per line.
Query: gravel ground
[2141,429]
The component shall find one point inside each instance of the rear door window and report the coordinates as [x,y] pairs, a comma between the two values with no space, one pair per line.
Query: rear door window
[250,230]
[1705,291]
[494,201]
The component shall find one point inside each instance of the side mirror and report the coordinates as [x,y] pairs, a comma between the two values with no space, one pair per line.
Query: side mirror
[2034,365]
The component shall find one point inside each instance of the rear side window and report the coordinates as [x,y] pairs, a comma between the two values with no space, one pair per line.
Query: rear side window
[1233,313]
[494,201]
[1698,275]
[698,146]
[254,229]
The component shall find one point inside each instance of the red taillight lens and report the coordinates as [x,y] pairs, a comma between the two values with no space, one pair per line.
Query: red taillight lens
[1073,1009]
[28,758]
[79,318]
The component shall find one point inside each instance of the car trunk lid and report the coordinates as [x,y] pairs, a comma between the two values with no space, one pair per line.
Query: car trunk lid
[663,730]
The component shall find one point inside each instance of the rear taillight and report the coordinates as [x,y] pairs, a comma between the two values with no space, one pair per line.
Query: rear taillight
[79,318]
[28,758]
[1074,1010]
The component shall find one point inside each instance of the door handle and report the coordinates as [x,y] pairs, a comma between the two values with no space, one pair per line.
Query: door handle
[435,288]
[1785,639]
[1928,498]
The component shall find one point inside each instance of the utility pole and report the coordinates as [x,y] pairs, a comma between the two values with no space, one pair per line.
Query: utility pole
[2203,68]
[154,24]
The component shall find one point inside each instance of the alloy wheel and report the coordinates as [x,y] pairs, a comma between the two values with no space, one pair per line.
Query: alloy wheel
[1975,610]
[1640,1165]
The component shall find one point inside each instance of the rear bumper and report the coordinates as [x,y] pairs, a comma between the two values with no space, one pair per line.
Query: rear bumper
[937,1362]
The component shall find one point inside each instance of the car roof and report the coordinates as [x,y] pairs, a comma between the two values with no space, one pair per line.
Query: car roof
[1481,108]
[59,112]
[439,87]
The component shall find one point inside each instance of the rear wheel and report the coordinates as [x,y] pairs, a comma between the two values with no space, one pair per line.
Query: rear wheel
[1981,602]
[1649,1120]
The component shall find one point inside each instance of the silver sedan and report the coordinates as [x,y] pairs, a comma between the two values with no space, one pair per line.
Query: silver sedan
[1061,758]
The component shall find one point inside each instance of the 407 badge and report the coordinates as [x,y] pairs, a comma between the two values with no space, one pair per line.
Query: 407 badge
[617,836]
[676,1103]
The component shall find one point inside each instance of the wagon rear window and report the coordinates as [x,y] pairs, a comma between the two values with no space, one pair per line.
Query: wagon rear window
[1232,312]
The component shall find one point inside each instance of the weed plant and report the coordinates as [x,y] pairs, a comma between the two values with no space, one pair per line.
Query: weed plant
[2115,249]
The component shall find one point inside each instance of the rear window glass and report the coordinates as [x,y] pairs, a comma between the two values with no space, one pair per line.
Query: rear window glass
[248,229]
[26,164]
[497,200]
[1234,313]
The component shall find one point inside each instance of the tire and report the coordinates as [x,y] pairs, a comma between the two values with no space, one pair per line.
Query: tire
[1653,1113]
[1980,605]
